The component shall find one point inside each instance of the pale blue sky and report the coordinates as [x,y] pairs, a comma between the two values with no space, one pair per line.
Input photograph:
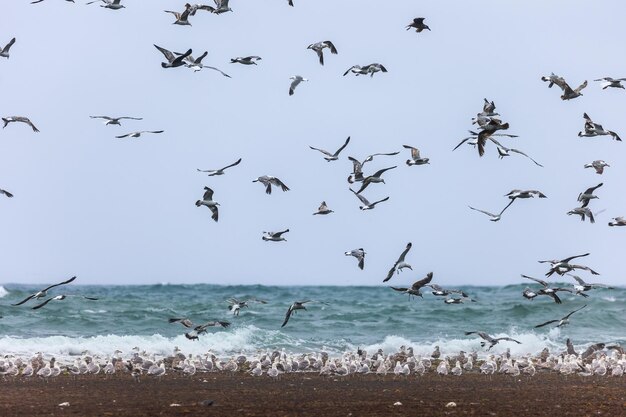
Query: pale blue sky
[118,211]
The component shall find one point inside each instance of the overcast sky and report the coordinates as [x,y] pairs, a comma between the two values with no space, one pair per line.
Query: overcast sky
[118,211]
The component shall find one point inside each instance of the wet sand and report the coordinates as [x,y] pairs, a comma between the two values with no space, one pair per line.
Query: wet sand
[314,395]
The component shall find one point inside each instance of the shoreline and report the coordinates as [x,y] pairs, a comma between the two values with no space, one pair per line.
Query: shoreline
[307,394]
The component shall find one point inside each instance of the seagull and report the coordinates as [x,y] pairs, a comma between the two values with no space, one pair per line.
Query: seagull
[318,47]
[62,297]
[583,286]
[415,157]
[418,24]
[611,82]
[181,18]
[370,69]
[207,200]
[493,217]
[358,254]
[274,236]
[547,290]
[221,6]
[193,8]
[492,341]
[374,178]
[357,171]
[20,119]
[4,52]
[596,129]
[297,305]
[618,221]
[332,157]
[173,61]
[138,134]
[109,4]
[598,165]
[196,63]
[444,292]
[529,294]
[220,171]
[366,204]
[504,151]
[296,79]
[513,194]
[569,93]
[44,292]
[582,212]
[588,195]
[473,138]
[563,321]
[246,60]
[182,320]
[563,266]
[323,209]
[5,192]
[115,120]
[554,79]
[487,131]
[415,288]
[268,180]
[236,305]
[203,327]
[39,1]
[400,264]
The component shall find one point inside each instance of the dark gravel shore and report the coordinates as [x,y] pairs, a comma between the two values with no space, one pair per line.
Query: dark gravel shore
[313,395]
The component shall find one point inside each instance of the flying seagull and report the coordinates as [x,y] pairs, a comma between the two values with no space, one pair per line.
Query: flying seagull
[504,151]
[366,204]
[323,209]
[115,120]
[493,217]
[595,129]
[138,134]
[439,291]
[207,200]
[563,266]
[5,192]
[547,290]
[109,4]
[569,93]
[370,69]
[173,61]
[245,60]
[513,194]
[598,165]
[415,288]
[375,178]
[182,320]
[220,171]
[268,181]
[563,321]
[20,119]
[416,159]
[297,305]
[359,254]
[583,286]
[418,25]
[274,236]
[357,166]
[202,328]
[39,1]
[62,297]
[318,47]
[487,131]
[612,82]
[554,79]
[196,63]
[221,6]
[618,221]
[334,156]
[4,52]
[473,138]
[235,305]
[44,292]
[582,212]
[295,80]
[181,18]
[400,264]
[588,195]
[492,341]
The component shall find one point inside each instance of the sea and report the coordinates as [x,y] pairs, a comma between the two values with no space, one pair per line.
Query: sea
[337,320]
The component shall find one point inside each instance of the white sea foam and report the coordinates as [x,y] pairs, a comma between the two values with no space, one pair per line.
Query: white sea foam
[3,291]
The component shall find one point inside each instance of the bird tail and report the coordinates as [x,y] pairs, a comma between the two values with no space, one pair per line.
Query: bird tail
[6,122]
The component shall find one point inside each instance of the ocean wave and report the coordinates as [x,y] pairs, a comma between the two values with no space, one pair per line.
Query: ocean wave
[3,291]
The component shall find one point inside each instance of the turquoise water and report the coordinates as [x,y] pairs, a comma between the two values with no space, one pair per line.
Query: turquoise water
[370,317]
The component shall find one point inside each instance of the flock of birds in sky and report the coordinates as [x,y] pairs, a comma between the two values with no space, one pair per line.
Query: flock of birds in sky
[489,126]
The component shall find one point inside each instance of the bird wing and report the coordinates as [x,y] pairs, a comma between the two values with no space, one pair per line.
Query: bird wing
[168,54]
[24,300]
[60,283]
[331,46]
[12,41]
[463,141]
[231,165]
[399,289]
[218,70]
[288,315]
[38,306]
[419,284]
[580,87]
[128,117]
[380,201]
[342,147]
[590,190]
[586,268]
[357,167]
[390,274]
[322,206]
[404,252]
[208,194]
[350,69]
[279,183]
[124,136]
[540,281]
[566,260]
[578,279]
[381,171]
[103,117]
[506,207]
[578,309]
[522,153]
[362,198]
[278,234]
[509,339]
[484,211]
[182,57]
[293,85]
[325,152]
[215,212]
[546,323]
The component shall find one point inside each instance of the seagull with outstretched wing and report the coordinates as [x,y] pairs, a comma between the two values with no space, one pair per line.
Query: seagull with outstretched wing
[44,292]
